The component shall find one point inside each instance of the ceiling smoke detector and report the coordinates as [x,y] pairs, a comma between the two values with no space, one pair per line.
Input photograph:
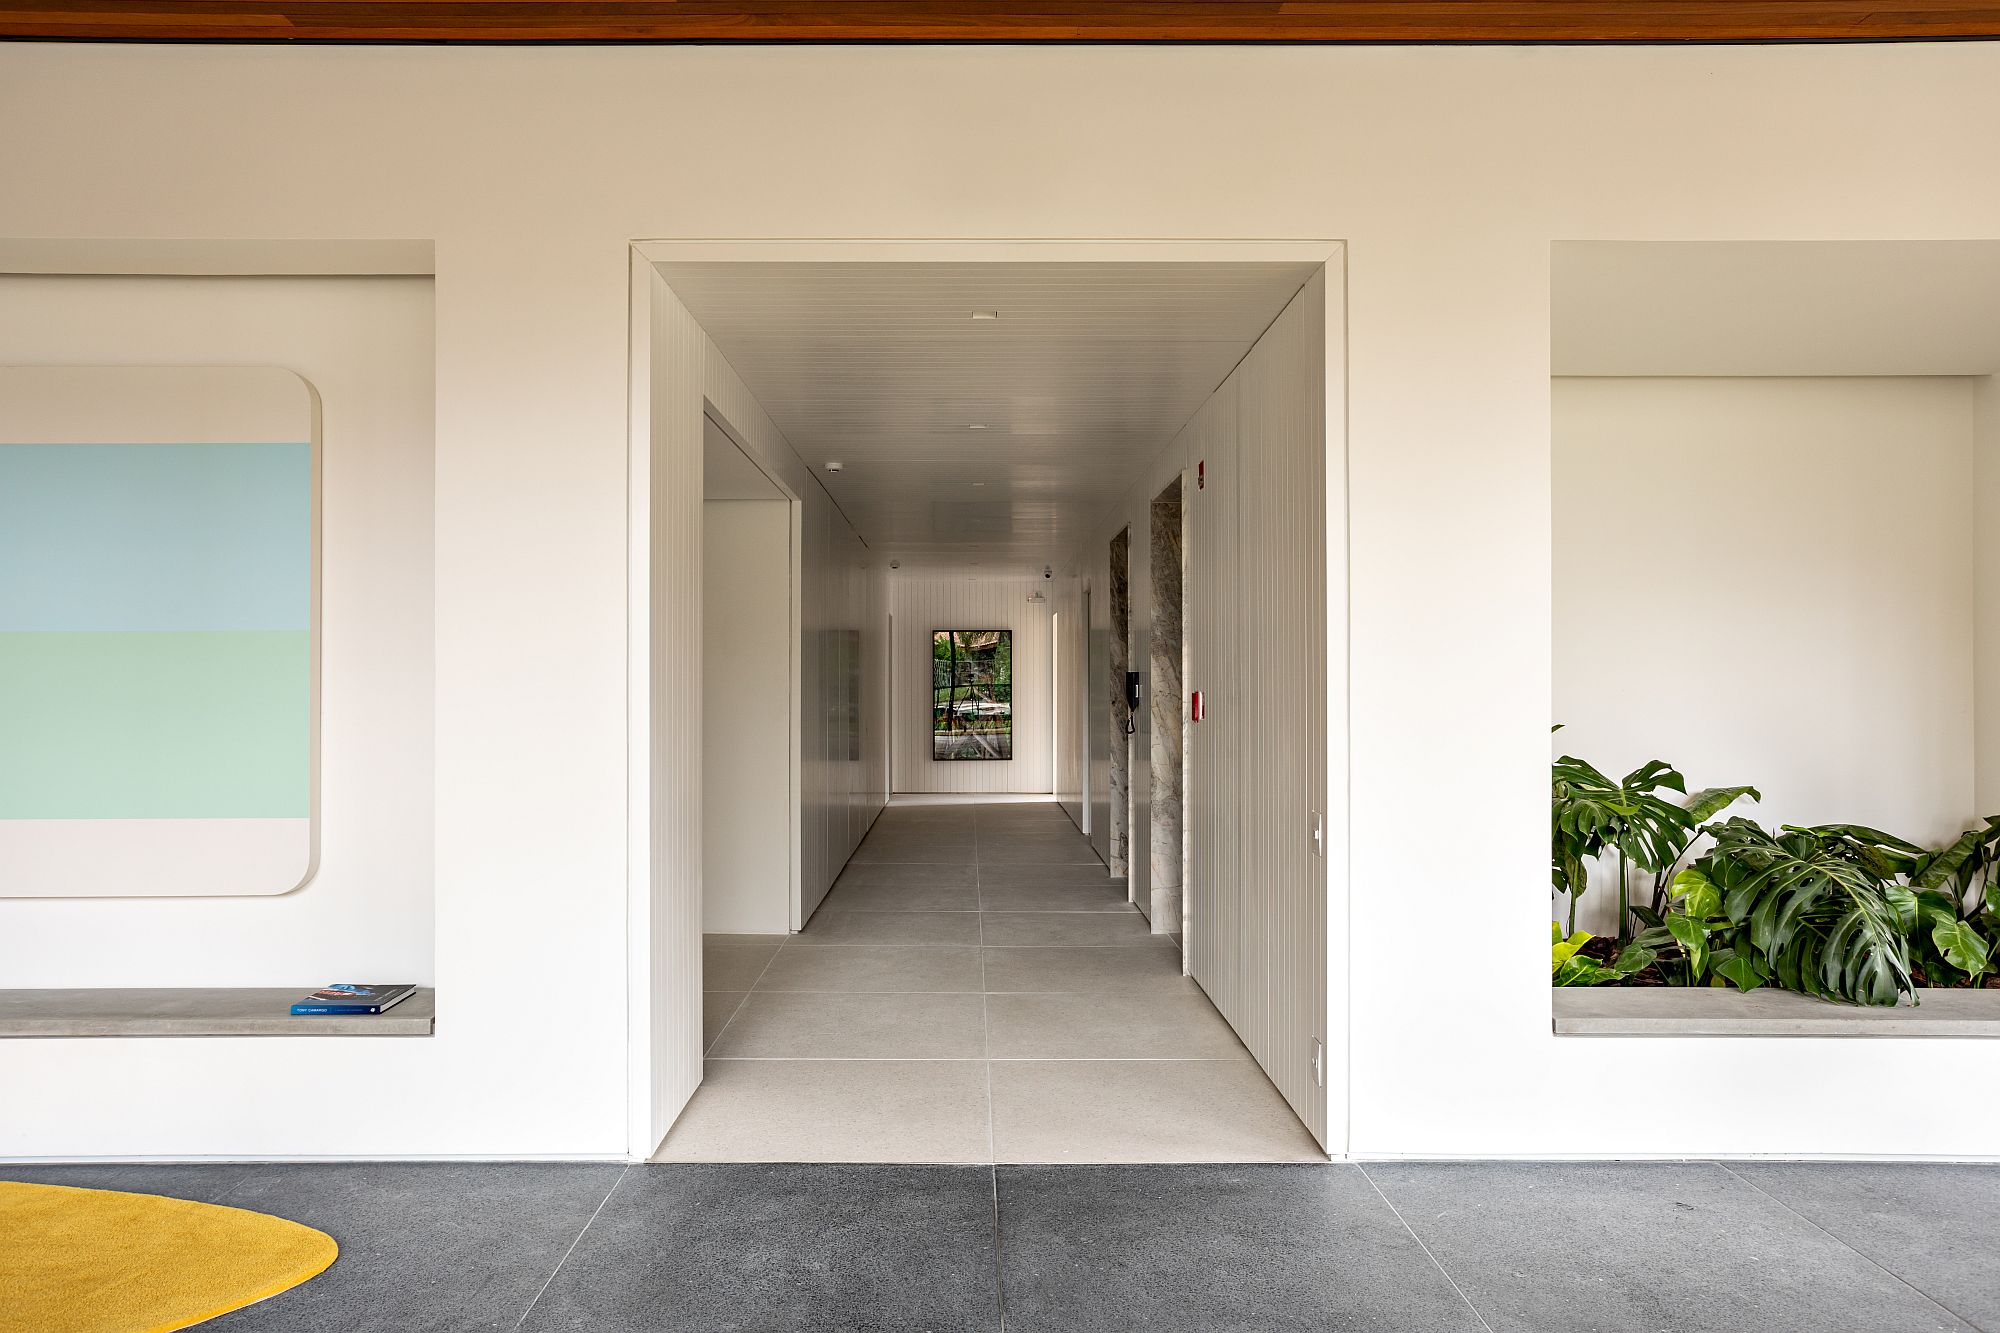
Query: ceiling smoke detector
[833,465]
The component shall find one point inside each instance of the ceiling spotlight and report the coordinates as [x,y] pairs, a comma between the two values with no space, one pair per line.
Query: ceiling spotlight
[833,465]
[986,314]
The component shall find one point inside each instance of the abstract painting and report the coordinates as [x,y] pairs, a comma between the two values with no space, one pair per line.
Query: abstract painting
[157,631]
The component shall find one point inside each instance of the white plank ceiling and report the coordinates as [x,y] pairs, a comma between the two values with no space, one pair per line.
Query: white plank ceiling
[1085,375]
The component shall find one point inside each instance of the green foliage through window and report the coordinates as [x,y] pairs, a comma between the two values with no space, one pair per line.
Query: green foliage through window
[972,694]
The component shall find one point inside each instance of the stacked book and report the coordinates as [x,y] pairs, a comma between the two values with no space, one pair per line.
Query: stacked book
[351,999]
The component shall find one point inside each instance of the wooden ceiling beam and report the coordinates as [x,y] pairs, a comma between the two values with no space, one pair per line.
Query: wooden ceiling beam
[601,21]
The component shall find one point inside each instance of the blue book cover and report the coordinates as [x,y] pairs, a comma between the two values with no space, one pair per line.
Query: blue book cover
[352,999]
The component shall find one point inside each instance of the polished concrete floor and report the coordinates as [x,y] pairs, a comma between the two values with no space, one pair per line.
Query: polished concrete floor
[975,988]
[1688,1247]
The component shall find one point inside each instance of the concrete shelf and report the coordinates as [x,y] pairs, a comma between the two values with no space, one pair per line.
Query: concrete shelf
[234,1012]
[1679,1011]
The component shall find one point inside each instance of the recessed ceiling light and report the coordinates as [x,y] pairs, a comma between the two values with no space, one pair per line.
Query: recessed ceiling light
[976,425]
[986,314]
[978,483]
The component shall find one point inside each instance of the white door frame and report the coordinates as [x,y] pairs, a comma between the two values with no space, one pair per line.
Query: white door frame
[667,400]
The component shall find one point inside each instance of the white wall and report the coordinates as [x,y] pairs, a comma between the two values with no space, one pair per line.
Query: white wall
[1770,581]
[923,603]
[746,715]
[365,344]
[1447,171]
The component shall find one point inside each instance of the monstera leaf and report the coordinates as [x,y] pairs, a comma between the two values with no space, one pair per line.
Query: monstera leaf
[1627,815]
[1818,907]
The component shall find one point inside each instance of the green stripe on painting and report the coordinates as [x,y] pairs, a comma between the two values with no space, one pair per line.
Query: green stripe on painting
[155,725]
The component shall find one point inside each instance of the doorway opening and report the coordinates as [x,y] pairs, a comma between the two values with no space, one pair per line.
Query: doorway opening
[748,861]
[1170,712]
[1083,933]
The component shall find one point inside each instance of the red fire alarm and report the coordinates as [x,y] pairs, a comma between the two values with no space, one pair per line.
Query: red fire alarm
[1201,474]
[1194,706]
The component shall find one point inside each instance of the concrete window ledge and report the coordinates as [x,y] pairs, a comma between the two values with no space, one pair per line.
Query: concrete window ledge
[1677,1011]
[228,1012]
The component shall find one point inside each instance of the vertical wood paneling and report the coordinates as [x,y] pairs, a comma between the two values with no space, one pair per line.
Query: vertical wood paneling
[926,603]
[1280,423]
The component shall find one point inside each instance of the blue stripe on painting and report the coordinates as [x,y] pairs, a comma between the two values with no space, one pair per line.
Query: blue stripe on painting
[155,536]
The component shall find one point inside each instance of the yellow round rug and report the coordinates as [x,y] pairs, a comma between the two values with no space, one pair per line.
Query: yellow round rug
[97,1261]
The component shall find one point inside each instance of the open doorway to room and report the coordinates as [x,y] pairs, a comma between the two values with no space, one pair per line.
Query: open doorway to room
[749,742]
[982,961]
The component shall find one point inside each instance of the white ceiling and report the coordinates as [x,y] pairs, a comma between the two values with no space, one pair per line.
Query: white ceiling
[1089,371]
[1775,308]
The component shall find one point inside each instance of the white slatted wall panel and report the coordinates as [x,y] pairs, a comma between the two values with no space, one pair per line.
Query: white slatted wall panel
[674,490]
[869,786]
[1280,422]
[923,603]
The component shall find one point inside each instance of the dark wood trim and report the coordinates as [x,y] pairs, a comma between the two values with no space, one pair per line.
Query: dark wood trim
[997,20]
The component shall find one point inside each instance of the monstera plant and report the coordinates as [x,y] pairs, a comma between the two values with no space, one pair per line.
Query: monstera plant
[1841,911]
[1590,815]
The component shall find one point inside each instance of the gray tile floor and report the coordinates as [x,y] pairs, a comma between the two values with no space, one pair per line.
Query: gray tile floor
[1687,1247]
[974,989]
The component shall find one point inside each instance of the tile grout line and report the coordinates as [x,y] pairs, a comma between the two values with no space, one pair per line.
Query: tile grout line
[543,1291]
[999,1249]
[986,1027]
[1442,1270]
[986,1030]
[1861,1254]
[724,1029]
